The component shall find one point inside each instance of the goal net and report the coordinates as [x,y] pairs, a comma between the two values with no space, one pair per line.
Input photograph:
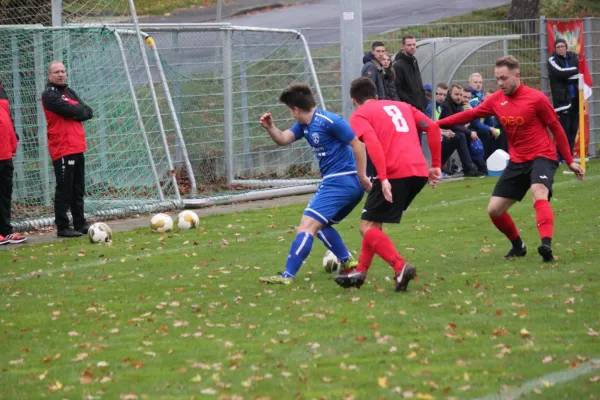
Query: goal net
[128,165]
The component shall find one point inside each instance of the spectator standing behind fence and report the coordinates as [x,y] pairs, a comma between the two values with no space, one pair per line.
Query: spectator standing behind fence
[8,148]
[373,68]
[563,69]
[65,112]
[409,85]
[390,79]
[451,106]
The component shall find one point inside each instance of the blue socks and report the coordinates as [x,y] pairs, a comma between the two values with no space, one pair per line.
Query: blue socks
[333,241]
[299,250]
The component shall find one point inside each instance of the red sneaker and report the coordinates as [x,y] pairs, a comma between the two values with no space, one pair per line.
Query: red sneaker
[15,238]
[4,240]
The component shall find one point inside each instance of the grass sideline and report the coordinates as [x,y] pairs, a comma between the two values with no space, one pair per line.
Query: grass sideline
[182,315]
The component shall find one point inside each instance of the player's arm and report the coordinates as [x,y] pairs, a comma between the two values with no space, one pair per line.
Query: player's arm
[481,111]
[547,114]
[366,133]
[434,139]
[280,137]
[434,136]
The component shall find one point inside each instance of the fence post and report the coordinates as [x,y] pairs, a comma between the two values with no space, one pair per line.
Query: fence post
[588,38]
[543,54]
[228,103]
[245,127]
[18,111]
[40,81]
[505,47]
[351,49]
[178,162]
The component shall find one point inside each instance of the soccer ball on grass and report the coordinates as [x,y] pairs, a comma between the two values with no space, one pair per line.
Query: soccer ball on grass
[330,262]
[187,220]
[161,223]
[100,233]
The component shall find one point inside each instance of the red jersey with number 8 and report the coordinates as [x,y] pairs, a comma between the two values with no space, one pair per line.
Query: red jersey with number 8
[394,124]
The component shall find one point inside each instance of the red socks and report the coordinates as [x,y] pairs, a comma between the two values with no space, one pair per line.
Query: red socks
[544,218]
[506,225]
[377,242]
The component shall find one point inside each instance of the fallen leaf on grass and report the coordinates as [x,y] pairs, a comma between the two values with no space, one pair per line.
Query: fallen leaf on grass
[73,333]
[595,379]
[128,396]
[411,355]
[547,359]
[383,382]
[20,361]
[80,357]
[525,333]
[42,376]
[53,387]
[86,377]
[137,364]
[425,396]
[196,379]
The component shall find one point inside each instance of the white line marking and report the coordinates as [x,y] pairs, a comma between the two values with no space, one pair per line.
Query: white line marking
[547,380]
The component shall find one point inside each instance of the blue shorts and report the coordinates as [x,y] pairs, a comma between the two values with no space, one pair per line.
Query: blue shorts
[335,199]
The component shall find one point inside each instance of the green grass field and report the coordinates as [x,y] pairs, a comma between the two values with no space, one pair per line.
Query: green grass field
[181,315]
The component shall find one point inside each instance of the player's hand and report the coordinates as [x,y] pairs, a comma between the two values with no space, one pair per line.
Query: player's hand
[365,183]
[266,121]
[386,188]
[579,172]
[435,175]
[474,136]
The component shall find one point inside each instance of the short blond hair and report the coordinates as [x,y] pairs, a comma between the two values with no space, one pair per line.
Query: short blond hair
[509,62]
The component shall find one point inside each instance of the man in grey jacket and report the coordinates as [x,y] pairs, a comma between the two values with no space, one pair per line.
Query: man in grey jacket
[373,70]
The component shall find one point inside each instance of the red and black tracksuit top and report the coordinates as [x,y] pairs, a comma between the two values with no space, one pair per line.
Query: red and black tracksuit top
[65,113]
[8,136]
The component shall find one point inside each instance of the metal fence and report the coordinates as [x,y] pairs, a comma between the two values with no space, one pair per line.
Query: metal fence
[471,47]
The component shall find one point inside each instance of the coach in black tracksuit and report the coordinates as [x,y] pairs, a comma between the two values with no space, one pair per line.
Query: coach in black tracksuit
[65,112]
[563,70]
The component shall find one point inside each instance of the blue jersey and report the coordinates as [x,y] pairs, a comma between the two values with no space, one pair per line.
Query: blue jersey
[329,135]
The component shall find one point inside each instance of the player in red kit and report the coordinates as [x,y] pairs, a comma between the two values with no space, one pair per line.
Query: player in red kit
[390,131]
[525,115]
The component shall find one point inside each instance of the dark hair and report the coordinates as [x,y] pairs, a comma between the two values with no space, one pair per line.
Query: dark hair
[509,62]
[298,95]
[490,91]
[454,85]
[377,44]
[407,36]
[363,89]
[466,89]
[442,86]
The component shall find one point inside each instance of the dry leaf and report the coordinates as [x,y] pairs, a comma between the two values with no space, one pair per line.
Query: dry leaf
[411,355]
[595,379]
[137,364]
[547,359]
[196,379]
[80,356]
[383,382]
[525,333]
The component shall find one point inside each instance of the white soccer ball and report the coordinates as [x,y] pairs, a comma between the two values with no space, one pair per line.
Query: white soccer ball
[187,220]
[100,233]
[161,223]
[330,262]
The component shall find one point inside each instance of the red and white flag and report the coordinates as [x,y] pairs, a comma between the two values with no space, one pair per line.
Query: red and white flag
[585,78]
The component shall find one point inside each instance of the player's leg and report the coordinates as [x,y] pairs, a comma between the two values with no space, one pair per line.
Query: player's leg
[345,193]
[299,250]
[77,205]
[510,188]
[375,241]
[542,178]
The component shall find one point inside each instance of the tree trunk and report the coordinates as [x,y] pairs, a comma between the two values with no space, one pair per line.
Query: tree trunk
[524,9]
[20,12]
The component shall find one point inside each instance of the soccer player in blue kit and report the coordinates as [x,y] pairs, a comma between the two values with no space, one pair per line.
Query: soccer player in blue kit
[339,153]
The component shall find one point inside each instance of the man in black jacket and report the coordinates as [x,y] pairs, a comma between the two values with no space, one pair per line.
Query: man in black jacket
[563,70]
[373,70]
[451,106]
[409,85]
[65,112]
